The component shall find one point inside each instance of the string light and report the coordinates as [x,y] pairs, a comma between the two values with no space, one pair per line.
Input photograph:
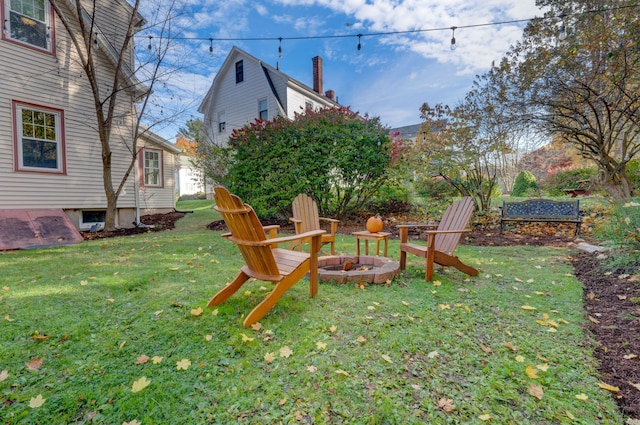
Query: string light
[211,45]
[562,31]
[453,38]
[280,47]
[95,41]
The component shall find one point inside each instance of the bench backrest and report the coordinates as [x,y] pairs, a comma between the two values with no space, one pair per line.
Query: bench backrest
[541,208]
[456,217]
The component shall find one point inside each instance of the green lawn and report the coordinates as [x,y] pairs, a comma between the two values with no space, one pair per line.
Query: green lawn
[456,351]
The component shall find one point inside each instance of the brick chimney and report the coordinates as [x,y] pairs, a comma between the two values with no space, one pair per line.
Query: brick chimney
[331,95]
[317,74]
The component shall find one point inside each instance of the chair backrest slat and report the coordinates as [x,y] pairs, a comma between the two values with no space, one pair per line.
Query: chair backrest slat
[456,217]
[244,226]
[304,208]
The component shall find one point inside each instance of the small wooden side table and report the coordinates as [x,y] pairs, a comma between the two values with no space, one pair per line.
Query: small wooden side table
[368,236]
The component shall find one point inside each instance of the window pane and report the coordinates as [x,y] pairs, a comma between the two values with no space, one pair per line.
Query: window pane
[152,168]
[28,22]
[40,154]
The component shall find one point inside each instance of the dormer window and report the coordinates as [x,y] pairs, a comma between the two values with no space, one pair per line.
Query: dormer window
[28,22]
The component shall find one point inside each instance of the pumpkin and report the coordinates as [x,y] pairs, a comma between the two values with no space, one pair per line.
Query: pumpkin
[374,224]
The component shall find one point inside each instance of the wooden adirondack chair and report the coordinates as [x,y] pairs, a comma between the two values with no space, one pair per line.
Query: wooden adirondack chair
[442,241]
[306,219]
[264,260]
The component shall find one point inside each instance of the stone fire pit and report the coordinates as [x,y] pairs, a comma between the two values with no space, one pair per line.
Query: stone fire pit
[362,268]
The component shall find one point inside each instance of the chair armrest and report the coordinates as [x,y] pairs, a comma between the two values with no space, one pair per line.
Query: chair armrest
[333,222]
[419,225]
[271,230]
[281,239]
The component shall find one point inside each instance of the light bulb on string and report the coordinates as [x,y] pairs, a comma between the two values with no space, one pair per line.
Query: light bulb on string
[453,38]
[149,46]
[562,32]
[211,46]
[280,47]
[359,43]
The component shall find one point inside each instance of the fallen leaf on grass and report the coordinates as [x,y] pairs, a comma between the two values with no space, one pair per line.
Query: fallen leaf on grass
[444,306]
[321,345]
[140,384]
[245,338]
[256,326]
[35,363]
[387,358]
[6,288]
[269,357]
[196,311]
[593,319]
[582,396]
[142,359]
[361,339]
[433,354]
[510,346]
[485,349]
[528,308]
[437,283]
[371,308]
[608,387]
[214,312]
[312,369]
[286,351]
[632,421]
[183,364]
[208,337]
[636,386]
[446,404]
[157,359]
[520,358]
[283,402]
[484,418]
[36,401]
[531,372]
[4,375]
[405,303]
[569,415]
[8,318]
[536,391]
[542,367]
[84,282]
[629,356]
[333,329]
[342,372]
[132,422]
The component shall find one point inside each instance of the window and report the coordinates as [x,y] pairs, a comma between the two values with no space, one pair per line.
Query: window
[239,72]
[263,111]
[92,219]
[39,143]
[222,125]
[28,22]
[308,105]
[152,167]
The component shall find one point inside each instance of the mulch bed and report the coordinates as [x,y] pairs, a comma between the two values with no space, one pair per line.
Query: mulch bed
[612,303]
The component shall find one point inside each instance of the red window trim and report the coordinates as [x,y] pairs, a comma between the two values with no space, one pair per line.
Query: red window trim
[141,167]
[16,142]
[52,33]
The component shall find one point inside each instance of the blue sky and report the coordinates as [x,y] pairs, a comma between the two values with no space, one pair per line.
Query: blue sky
[391,76]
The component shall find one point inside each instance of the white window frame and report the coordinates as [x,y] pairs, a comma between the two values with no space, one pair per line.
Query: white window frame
[36,14]
[38,130]
[265,109]
[85,225]
[145,166]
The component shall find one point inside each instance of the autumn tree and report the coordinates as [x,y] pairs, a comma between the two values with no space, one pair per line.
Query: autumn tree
[80,21]
[577,71]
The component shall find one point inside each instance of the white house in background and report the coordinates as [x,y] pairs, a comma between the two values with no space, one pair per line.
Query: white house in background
[189,179]
[50,153]
[246,88]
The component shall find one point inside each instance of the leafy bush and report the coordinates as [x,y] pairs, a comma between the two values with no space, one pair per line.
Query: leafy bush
[633,173]
[435,188]
[569,179]
[525,184]
[623,231]
[193,197]
[392,198]
[334,155]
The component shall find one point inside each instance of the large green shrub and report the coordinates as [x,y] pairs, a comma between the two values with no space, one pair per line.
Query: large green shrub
[633,173]
[435,188]
[569,179]
[525,184]
[334,155]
